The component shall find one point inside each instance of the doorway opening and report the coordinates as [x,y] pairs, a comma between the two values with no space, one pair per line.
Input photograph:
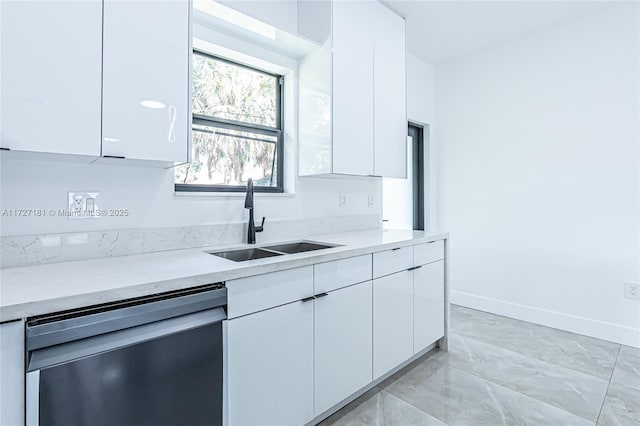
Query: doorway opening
[403,200]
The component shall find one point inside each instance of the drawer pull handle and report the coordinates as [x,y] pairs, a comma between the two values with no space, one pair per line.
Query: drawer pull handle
[397,248]
[318,296]
[308,299]
[414,268]
[431,242]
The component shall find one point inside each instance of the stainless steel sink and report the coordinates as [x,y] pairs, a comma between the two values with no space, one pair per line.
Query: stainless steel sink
[242,255]
[299,247]
[245,254]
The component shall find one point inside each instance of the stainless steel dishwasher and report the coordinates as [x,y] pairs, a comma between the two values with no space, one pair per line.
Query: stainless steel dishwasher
[148,361]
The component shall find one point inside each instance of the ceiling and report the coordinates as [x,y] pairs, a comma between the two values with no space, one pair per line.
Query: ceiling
[438,31]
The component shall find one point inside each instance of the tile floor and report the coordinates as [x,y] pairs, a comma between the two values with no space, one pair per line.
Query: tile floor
[501,371]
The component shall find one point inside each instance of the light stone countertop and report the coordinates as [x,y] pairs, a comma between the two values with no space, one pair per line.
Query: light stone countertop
[43,289]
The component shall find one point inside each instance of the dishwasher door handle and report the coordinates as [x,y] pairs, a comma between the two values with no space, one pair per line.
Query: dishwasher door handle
[92,322]
[59,354]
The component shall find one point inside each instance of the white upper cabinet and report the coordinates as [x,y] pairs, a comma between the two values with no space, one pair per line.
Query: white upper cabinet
[146,80]
[390,94]
[352,90]
[51,75]
[93,78]
[353,87]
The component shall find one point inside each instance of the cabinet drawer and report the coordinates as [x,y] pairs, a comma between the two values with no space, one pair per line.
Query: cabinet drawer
[252,294]
[341,273]
[390,261]
[428,252]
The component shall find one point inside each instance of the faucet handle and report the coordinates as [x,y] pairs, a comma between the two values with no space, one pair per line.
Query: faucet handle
[261,227]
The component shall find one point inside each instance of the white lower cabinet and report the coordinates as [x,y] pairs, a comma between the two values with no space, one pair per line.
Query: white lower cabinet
[12,373]
[392,321]
[428,305]
[343,344]
[289,362]
[270,367]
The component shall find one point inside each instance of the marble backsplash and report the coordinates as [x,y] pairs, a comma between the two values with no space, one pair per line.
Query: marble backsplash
[24,250]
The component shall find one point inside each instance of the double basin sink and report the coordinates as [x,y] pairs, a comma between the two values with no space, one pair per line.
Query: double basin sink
[243,255]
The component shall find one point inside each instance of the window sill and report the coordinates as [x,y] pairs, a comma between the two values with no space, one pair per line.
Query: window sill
[199,194]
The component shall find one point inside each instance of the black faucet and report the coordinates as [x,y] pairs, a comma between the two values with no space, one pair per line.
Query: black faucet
[248,204]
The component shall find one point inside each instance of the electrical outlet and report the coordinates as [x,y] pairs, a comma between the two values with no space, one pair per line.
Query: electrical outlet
[83,205]
[371,200]
[343,199]
[632,290]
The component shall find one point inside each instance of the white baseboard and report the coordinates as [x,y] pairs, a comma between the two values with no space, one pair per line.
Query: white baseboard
[581,325]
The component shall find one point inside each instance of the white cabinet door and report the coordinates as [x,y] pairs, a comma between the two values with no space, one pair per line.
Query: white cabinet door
[428,305]
[12,373]
[352,88]
[343,344]
[51,75]
[392,321]
[270,367]
[390,93]
[146,94]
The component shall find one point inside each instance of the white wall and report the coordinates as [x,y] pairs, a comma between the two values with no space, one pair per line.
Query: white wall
[397,211]
[421,109]
[280,14]
[421,91]
[539,181]
[149,196]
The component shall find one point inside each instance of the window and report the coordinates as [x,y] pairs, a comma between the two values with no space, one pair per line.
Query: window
[237,128]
